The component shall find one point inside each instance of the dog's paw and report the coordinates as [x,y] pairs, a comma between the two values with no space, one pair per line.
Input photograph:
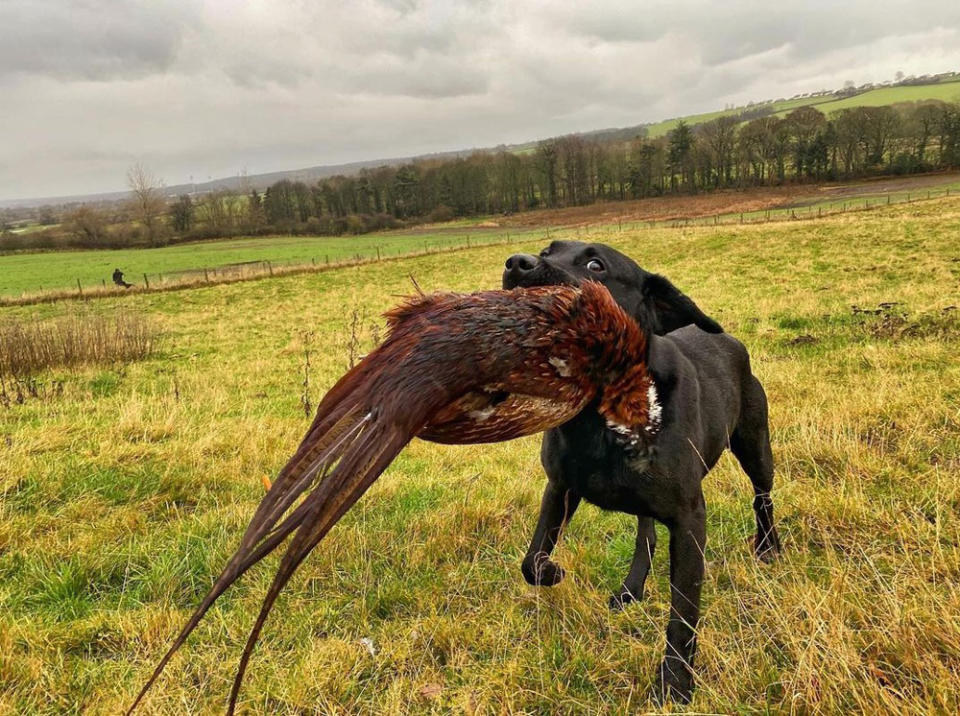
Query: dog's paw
[622,598]
[767,549]
[541,571]
[674,682]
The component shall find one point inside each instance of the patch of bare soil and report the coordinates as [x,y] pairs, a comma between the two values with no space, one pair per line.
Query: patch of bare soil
[671,208]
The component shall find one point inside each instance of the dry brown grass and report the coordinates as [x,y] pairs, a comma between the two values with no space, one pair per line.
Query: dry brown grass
[28,346]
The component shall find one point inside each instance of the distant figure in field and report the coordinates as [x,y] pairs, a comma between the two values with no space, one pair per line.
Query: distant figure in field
[118,279]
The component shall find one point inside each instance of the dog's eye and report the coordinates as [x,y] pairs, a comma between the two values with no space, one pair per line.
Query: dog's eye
[544,253]
[595,265]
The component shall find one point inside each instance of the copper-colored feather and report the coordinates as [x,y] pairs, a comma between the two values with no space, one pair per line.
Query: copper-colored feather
[482,367]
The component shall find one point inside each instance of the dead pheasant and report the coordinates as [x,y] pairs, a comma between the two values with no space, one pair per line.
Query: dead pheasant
[475,368]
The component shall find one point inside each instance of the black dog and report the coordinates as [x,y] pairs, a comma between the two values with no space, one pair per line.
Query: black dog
[709,401]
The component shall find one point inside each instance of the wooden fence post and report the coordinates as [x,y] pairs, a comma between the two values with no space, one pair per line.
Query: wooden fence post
[378,253]
[146,281]
[206,276]
[270,268]
[80,288]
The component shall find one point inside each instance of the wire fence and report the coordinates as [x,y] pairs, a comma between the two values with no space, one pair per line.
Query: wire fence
[817,210]
[260,269]
[249,271]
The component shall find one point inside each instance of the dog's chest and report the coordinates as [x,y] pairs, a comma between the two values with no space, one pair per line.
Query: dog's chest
[601,472]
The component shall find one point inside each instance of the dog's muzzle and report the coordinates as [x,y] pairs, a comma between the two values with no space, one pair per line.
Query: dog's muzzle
[526,270]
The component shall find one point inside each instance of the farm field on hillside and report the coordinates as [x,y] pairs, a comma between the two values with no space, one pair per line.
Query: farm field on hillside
[945,91]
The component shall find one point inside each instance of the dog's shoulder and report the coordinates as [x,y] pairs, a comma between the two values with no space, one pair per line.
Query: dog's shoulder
[691,353]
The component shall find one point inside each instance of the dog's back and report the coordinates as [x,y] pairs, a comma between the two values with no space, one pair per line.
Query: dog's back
[712,371]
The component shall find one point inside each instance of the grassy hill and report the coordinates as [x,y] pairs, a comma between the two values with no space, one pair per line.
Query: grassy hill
[945,91]
[123,490]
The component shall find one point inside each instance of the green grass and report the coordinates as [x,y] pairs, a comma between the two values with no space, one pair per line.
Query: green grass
[31,272]
[122,496]
[945,91]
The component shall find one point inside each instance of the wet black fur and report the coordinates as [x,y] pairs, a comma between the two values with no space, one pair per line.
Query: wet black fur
[710,401]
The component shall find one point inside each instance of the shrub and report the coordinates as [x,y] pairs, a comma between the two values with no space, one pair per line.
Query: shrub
[441,213]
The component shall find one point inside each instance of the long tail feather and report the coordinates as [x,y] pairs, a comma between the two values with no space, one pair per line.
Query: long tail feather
[327,505]
[262,536]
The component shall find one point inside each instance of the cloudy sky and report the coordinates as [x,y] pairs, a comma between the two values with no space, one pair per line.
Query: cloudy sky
[208,88]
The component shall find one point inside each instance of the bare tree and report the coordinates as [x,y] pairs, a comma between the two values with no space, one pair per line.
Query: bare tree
[148,202]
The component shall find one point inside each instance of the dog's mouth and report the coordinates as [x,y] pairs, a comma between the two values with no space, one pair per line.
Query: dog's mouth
[530,271]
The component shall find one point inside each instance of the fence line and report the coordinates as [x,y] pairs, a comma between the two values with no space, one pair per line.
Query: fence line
[790,213]
[256,270]
[250,271]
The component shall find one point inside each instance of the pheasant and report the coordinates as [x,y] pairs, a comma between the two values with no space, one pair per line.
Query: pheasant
[454,368]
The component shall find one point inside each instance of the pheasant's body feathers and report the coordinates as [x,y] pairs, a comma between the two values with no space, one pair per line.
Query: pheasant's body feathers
[482,367]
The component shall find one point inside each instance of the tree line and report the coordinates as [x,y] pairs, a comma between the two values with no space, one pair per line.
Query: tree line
[727,152]
[731,151]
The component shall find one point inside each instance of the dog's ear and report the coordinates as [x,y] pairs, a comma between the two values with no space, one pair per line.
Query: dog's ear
[668,309]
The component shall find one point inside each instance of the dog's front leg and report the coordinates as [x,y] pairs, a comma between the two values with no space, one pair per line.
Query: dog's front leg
[632,589]
[687,540]
[556,509]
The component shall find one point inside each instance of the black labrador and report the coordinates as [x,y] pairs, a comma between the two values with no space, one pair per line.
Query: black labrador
[709,400]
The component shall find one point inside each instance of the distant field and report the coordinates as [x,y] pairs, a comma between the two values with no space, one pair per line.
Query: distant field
[946,91]
[29,273]
[52,270]
[123,490]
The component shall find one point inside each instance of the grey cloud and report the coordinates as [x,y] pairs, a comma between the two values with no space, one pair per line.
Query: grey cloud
[89,40]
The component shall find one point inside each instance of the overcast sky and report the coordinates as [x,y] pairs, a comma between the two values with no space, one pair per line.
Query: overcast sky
[207,88]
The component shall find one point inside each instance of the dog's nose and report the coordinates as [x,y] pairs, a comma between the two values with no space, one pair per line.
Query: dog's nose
[521,263]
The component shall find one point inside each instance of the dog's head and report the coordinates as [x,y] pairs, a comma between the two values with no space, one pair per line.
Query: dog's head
[652,300]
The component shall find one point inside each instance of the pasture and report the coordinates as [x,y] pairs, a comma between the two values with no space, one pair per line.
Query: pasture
[945,91]
[25,276]
[123,491]
[34,272]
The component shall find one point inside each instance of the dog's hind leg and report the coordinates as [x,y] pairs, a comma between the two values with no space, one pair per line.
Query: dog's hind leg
[632,589]
[556,509]
[750,443]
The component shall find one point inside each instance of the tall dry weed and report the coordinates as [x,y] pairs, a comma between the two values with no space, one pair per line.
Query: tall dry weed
[29,347]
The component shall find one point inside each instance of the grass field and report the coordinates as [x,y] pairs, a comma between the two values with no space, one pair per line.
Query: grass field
[33,272]
[946,91]
[57,271]
[123,492]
